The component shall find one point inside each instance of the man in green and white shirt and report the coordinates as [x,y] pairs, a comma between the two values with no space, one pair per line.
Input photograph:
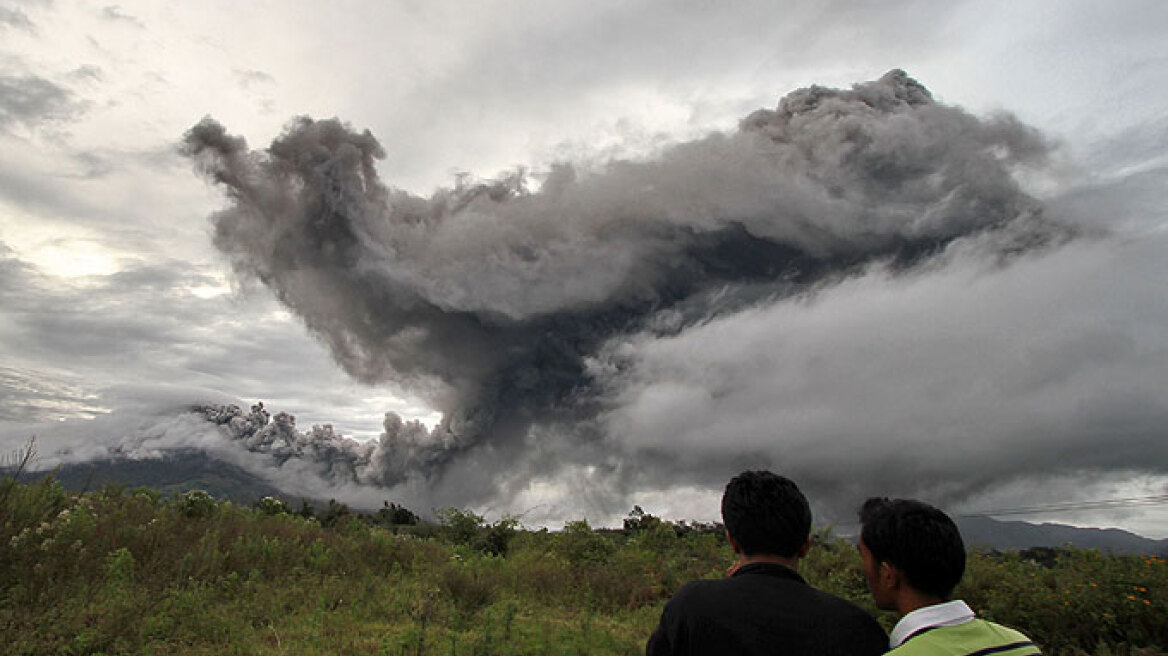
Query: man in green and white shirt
[913,559]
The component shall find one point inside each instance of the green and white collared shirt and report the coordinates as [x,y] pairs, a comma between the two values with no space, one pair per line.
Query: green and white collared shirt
[952,629]
[950,613]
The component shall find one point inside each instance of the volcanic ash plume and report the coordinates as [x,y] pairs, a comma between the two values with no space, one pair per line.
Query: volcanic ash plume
[335,459]
[488,299]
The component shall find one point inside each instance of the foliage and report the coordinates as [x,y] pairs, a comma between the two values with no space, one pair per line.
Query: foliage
[121,572]
[196,503]
[464,527]
[394,515]
[272,506]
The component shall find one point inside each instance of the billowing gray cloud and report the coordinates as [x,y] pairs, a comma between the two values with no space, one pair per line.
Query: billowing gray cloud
[491,300]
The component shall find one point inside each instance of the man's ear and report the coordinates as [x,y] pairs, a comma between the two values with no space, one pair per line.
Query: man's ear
[733,543]
[890,576]
[804,549]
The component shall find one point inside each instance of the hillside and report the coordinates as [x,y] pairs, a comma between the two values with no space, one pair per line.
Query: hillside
[989,533]
[178,472]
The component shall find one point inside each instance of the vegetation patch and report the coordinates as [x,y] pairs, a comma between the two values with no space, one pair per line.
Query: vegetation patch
[121,571]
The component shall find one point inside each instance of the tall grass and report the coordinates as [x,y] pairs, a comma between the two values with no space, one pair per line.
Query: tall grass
[120,571]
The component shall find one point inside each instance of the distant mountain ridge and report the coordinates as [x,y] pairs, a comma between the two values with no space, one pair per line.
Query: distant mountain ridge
[186,470]
[177,472]
[989,533]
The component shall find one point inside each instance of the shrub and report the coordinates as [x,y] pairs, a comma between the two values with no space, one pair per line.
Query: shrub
[579,544]
[467,528]
[272,506]
[459,526]
[394,515]
[196,504]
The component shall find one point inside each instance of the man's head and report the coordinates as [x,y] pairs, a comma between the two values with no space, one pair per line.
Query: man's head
[766,514]
[909,542]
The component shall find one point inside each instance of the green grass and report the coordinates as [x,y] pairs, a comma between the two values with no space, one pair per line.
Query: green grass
[130,572]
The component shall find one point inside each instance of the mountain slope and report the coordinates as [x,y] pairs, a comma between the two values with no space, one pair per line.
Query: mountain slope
[177,472]
[988,533]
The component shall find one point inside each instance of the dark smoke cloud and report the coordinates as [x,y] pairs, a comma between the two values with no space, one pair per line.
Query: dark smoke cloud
[338,459]
[493,301]
[156,421]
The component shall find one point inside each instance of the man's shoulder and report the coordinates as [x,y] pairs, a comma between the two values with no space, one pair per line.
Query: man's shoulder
[791,593]
[840,604]
[975,635]
[702,589]
[1006,634]
[748,613]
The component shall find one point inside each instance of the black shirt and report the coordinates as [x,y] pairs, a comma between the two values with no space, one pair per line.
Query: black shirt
[763,609]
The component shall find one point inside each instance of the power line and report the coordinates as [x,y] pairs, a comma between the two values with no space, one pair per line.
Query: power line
[1098,504]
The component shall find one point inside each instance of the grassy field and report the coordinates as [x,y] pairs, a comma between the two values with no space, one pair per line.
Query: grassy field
[130,572]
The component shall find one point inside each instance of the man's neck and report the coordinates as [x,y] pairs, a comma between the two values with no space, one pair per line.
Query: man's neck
[909,600]
[770,559]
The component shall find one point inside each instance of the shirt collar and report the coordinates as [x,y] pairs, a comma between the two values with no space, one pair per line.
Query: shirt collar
[769,569]
[950,613]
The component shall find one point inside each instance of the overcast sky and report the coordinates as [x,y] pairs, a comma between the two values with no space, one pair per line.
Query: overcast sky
[975,382]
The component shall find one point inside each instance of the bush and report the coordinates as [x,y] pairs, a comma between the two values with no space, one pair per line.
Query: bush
[272,506]
[580,545]
[466,528]
[392,514]
[196,504]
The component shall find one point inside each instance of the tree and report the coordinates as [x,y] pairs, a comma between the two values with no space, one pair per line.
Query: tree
[395,515]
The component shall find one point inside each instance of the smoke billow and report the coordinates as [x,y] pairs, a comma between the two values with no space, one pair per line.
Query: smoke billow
[493,301]
[329,455]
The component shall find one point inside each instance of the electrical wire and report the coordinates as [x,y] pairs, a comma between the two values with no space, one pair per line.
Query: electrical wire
[1098,504]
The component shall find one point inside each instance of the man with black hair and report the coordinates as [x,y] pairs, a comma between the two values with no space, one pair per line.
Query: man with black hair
[764,606]
[913,559]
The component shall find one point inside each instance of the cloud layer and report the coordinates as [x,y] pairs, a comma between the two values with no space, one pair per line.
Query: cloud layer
[948,379]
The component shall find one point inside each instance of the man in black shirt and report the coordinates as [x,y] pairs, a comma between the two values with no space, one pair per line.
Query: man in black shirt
[764,606]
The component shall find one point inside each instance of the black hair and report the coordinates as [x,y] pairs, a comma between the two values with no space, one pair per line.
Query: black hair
[916,538]
[766,514]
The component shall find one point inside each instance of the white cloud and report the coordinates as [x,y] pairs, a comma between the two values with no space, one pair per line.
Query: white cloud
[949,379]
